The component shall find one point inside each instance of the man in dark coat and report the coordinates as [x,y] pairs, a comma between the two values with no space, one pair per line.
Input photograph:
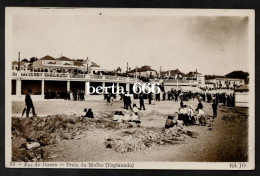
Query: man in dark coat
[164,95]
[128,102]
[214,107]
[125,100]
[29,103]
[200,106]
[181,103]
[141,97]
[150,98]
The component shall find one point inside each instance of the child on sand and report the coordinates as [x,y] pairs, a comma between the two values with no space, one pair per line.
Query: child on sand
[135,117]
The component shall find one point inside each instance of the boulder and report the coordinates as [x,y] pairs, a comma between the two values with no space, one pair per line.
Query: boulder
[32,145]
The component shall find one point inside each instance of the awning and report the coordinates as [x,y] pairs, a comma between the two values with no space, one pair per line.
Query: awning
[243,88]
[196,89]
[190,89]
[186,88]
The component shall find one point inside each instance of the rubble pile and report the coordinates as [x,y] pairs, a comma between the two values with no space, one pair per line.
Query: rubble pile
[29,134]
[141,139]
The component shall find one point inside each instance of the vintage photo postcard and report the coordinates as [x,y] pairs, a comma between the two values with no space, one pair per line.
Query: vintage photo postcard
[126,88]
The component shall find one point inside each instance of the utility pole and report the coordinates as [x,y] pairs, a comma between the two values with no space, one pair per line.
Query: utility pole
[19,62]
[196,74]
[160,71]
[135,71]
[127,69]
[87,65]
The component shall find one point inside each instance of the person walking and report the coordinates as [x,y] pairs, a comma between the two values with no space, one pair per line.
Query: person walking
[181,103]
[214,107]
[141,98]
[111,99]
[29,103]
[150,98]
[164,95]
[176,97]
[108,98]
[128,102]
[125,99]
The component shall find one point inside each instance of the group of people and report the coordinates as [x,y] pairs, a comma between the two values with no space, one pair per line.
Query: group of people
[110,98]
[186,115]
[75,94]
[175,95]
[89,113]
[128,116]
[127,101]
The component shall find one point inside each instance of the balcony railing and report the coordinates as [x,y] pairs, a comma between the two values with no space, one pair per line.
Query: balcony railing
[95,77]
[31,74]
[78,75]
[110,77]
[53,75]
[179,81]
[169,80]
[71,76]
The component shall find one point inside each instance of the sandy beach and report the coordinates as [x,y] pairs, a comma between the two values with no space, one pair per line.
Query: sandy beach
[224,139]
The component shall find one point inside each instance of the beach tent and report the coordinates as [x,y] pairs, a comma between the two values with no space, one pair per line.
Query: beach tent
[178,88]
[242,96]
[187,88]
[197,90]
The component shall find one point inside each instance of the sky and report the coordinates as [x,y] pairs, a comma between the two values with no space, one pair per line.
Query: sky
[210,44]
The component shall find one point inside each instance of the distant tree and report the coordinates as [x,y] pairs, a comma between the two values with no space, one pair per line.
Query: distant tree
[25,60]
[33,59]
[80,60]
[238,74]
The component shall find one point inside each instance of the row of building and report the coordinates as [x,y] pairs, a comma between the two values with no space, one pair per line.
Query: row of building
[66,65]
[61,64]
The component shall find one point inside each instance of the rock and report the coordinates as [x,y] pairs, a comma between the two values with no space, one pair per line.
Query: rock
[69,125]
[79,136]
[66,136]
[35,135]
[113,125]
[192,134]
[33,145]
[18,141]
[48,139]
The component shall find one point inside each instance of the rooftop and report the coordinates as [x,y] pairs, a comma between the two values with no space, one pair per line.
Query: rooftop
[63,58]
[48,58]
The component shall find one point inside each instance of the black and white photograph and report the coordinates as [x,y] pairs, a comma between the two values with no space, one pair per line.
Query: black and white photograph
[129,88]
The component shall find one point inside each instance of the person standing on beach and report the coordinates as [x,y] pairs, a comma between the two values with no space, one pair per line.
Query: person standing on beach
[29,103]
[181,103]
[214,107]
[150,98]
[200,106]
[128,102]
[141,97]
[176,96]
[124,99]
[164,95]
